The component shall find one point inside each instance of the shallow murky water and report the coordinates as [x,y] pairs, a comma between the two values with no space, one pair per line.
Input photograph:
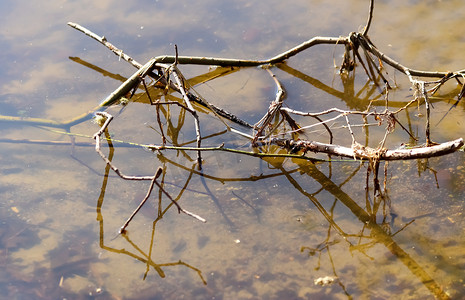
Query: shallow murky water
[276,228]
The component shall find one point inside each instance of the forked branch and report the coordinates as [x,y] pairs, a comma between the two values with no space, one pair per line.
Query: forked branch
[108,118]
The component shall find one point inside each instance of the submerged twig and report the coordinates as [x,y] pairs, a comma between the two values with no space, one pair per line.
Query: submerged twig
[97,135]
[152,182]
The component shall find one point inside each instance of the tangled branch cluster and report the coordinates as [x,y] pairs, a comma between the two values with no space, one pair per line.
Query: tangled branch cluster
[273,127]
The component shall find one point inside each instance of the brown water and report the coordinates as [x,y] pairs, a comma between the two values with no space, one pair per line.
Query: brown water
[274,226]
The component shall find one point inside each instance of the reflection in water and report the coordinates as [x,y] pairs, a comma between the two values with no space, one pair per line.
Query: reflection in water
[139,254]
[378,233]
[376,218]
[371,233]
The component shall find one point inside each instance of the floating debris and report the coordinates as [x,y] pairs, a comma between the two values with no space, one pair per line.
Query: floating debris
[323,281]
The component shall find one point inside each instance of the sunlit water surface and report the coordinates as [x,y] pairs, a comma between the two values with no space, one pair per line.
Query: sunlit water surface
[275,228]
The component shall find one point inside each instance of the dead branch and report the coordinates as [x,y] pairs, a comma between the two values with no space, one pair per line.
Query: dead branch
[352,42]
[152,182]
[370,17]
[218,111]
[272,110]
[228,62]
[131,83]
[366,153]
[267,129]
[177,75]
[359,50]
[103,41]
[167,59]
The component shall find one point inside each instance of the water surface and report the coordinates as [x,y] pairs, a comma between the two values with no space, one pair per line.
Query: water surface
[275,227]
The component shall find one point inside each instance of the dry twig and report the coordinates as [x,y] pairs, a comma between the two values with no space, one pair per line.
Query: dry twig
[108,118]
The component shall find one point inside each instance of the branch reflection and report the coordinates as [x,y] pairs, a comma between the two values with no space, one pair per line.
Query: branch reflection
[379,233]
[139,253]
[376,218]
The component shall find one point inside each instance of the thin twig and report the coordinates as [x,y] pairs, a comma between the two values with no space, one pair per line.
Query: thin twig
[152,182]
[370,17]
[176,75]
[97,136]
[350,130]
[272,110]
[228,62]
[218,111]
[103,41]
[180,210]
